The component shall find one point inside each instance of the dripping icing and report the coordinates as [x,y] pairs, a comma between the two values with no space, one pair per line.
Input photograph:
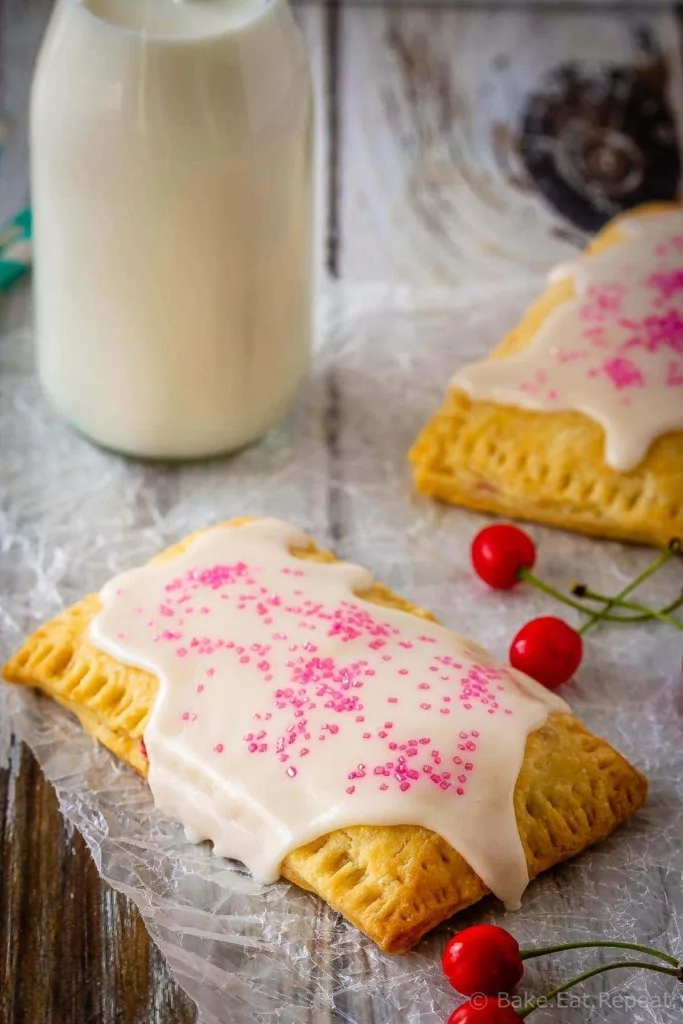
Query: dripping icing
[289,707]
[614,352]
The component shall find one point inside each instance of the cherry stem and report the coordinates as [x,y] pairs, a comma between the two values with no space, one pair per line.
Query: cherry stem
[529,954]
[659,561]
[663,614]
[604,615]
[543,1000]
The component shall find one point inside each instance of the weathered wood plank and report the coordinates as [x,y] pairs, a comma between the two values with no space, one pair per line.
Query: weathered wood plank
[71,949]
[436,184]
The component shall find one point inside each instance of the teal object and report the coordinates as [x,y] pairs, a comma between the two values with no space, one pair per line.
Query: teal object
[15,248]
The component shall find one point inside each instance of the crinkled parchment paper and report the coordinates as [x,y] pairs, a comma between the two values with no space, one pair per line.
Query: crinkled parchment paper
[71,516]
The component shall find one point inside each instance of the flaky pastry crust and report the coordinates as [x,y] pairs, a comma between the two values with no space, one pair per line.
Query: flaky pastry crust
[549,467]
[394,883]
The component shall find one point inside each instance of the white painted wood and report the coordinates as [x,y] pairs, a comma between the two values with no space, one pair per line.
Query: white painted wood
[313,22]
[432,187]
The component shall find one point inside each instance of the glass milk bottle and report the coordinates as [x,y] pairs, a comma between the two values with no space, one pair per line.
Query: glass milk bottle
[171,189]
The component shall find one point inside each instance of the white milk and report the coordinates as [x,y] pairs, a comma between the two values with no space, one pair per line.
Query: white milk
[171,187]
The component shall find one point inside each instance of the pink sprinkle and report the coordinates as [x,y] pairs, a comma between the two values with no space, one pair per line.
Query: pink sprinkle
[219,748]
[350,790]
[292,772]
[366,735]
[384,786]
[623,373]
[423,686]
[425,707]
[392,700]
[200,687]
[460,791]
[404,786]
[403,671]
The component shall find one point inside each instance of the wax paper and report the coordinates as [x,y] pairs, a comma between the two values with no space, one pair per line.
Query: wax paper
[72,515]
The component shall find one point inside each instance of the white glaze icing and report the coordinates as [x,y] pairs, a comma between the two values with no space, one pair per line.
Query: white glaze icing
[615,352]
[289,707]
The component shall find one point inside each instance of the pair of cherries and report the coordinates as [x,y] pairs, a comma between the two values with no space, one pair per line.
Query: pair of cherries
[548,649]
[485,962]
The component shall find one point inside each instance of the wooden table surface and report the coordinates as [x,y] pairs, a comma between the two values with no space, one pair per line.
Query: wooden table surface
[453,143]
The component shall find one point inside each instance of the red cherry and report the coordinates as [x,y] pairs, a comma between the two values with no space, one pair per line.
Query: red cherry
[548,650]
[483,958]
[484,1010]
[499,552]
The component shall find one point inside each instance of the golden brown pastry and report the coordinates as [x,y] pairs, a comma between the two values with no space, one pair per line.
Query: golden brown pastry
[528,461]
[392,882]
